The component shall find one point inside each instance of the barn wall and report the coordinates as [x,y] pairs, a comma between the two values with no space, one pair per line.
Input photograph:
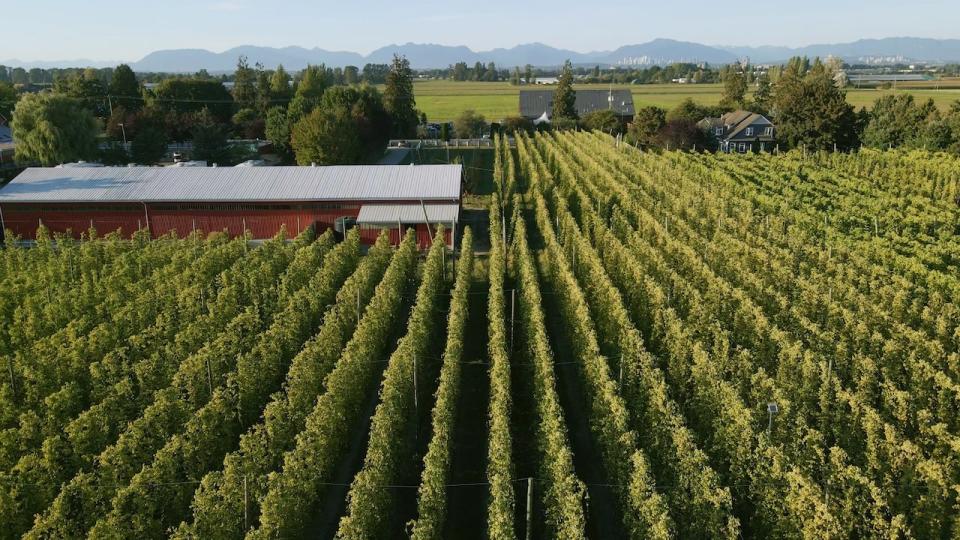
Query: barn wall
[24,219]
[263,220]
[261,223]
[370,233]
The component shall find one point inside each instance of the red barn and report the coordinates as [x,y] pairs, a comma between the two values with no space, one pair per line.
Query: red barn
[234,199]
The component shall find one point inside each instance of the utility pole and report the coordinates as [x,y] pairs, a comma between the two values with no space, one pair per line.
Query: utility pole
[416,403]
[209,378]
[772,409]
[529,508]
[13,386]
[246,505]
[513,307]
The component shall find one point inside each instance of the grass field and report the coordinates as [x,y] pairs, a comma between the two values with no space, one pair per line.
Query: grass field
[444,100]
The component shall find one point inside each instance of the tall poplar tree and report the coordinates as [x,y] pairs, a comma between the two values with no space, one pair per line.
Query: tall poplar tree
[398,98]
[565,98]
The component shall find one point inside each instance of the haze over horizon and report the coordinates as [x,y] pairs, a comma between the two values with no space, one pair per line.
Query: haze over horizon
[50,30]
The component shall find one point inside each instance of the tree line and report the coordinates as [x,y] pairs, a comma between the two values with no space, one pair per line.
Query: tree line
[319,115]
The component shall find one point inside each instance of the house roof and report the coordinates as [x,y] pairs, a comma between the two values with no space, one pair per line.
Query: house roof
[231,184]
[534,103]
[391,214]
[736,122]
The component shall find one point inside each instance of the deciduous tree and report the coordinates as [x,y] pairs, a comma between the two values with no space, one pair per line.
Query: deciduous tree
[51,128]
[646,124]
[125,89]
[313,83]
[469,124]
[810,111]
[603,120]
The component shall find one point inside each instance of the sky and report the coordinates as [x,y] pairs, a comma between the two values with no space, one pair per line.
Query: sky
[127,30]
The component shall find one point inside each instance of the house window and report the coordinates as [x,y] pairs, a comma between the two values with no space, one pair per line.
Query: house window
[749,132]
[719,131]
[743,148]
[768,132]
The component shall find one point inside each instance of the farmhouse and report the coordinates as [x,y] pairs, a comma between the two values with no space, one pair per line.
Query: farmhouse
[258,199]
[538,104]
[741,131]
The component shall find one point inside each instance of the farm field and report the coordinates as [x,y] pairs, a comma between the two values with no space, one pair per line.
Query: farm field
[652,346]
[444,100]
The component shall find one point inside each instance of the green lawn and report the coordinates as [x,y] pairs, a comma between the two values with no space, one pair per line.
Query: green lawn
[444,100]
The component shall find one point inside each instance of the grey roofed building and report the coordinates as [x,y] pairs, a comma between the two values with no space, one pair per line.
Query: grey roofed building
[231,184]
[740,131]
[894,77]
[391,214]
[536,103]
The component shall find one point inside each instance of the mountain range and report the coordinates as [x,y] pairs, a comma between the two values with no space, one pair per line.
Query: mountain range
[426,55]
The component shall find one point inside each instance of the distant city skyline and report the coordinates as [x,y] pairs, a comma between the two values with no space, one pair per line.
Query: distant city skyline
[114,30]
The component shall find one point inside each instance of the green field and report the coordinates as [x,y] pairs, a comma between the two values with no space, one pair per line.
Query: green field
[444,100]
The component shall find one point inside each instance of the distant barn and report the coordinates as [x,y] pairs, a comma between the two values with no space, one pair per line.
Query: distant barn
[233,199]
[538,104]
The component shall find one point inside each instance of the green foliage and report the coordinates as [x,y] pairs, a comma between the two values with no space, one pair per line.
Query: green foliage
[51,129]
[86,88]
[470,125]
[125,89]
[763,96]
[392,430]
[245,84]
[278,131]
[516,124]
[212,431]
[689,111]
[500,467]
[734,90]
[114,154]
[398,98]
[810,111]
[149,145]
[280,90]
[295,489]
[219,503]
[187,96]
[210,140]
[564,97]
[310,87]
[349,123]
[647,123]
[604,120]
[249,124]
[897,120]
[432,495]
[327,137]
[8,100]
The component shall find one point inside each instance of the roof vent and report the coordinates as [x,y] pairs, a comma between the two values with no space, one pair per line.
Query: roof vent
[313,163]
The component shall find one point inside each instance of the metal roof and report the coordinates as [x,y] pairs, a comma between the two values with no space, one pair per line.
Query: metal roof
[408,213]
[534,103]
[230,184]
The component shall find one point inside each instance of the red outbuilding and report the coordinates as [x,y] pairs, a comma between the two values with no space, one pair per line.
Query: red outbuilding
[233,199]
